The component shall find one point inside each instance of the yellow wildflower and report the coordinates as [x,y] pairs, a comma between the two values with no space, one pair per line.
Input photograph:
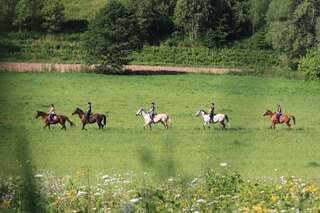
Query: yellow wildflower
[310,188]
[274,198]
[257,208]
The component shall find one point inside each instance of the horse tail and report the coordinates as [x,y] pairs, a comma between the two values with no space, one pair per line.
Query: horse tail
[104,119]
[293,118]
[227,119]
[70,122]
[169,121]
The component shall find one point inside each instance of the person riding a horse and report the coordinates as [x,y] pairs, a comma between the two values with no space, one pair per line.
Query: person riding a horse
[278,113]
[51,112]
[211,112]
[152,111]
[88,112]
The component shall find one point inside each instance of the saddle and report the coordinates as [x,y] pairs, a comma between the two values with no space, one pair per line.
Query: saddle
[152,117]
[90,118]
[53,118]
[278,117]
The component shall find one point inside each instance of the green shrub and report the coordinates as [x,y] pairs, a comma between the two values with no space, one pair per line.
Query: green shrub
[310,65]
[52,15]
[113,35]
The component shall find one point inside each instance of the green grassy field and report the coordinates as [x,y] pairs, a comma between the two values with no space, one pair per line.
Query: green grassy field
[185,150]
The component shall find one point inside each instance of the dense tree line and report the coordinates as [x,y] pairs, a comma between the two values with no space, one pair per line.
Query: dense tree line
[288,26]
[31,15]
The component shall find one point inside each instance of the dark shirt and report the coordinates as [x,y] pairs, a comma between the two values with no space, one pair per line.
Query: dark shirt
[89,110]
[211,110]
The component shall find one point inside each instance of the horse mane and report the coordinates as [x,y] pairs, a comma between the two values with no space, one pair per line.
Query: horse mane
[78,108]
[41,112]
[201,110]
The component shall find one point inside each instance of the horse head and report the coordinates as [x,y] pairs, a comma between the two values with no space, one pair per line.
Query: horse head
[200,112]
[77,111]
[268,113]
[40,114]
[140,111]
[37,114]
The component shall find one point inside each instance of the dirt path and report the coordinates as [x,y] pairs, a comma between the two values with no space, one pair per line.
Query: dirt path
[46,67]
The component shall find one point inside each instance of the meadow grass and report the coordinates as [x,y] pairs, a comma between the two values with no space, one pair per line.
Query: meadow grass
[185,150]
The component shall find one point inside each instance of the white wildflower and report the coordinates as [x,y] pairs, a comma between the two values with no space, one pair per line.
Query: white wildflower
[38,176]
[283,180]
[194,181]
[201,201]
[104,177]
[81,193]
[224,164]
[135,200]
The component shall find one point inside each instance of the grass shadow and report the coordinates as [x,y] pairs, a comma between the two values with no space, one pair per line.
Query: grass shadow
[150,72]
[314,164]
[31,200]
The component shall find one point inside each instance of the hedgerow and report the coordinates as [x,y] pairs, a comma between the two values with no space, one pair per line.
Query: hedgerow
[205,57]
[68,49]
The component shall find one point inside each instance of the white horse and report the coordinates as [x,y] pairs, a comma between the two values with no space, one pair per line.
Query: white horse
[221,118]
[158,118]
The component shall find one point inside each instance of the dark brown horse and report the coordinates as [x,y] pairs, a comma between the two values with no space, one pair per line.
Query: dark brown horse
[99,118]
[283,119]
[61,119]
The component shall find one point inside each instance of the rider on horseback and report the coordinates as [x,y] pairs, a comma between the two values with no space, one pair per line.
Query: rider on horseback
[211,112]
[278,113]
[51,112]
[152,111]
[88,112]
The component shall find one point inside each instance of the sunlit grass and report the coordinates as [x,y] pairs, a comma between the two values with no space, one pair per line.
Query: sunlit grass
[185,150]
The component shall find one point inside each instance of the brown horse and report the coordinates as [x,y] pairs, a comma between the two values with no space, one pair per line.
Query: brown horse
[99,118]
[283,119]
[61,119]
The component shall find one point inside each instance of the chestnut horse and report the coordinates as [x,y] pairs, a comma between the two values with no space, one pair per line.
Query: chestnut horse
[99,118]
[61,119]
[283,119]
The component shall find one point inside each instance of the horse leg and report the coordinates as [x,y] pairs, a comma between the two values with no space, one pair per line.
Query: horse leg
[63,125]
[99,125]
[83,125]
[223,125]
[164,124]
[49,126]
[45,125]
[288,124]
